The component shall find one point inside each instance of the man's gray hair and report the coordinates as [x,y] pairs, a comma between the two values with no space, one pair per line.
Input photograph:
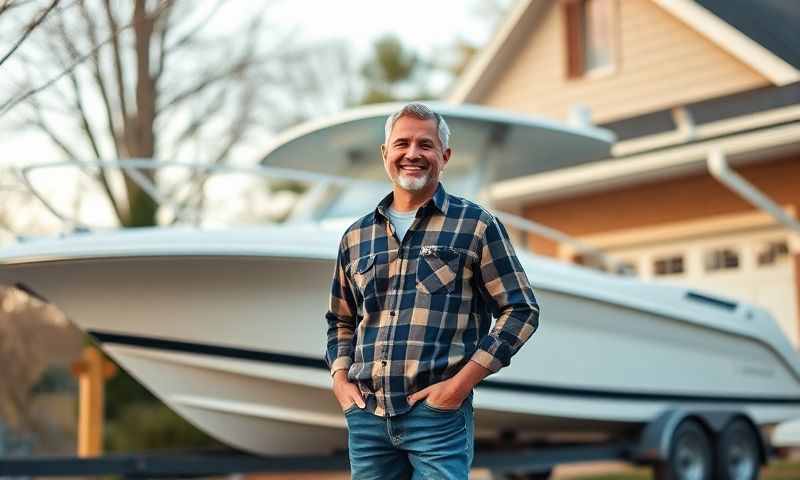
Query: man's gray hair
[422,112]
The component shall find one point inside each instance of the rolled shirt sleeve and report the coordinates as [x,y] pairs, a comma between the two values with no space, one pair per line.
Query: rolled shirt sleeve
[508,293]
[341,318]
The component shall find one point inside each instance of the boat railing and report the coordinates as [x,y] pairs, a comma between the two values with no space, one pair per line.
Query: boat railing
[600,258]
[134,170]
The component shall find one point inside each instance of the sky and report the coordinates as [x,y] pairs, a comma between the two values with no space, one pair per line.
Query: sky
[421,24]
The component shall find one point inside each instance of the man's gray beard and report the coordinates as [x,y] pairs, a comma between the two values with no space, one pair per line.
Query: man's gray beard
[412,184]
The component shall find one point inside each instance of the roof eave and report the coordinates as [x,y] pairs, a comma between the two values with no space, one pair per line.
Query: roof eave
[484,65]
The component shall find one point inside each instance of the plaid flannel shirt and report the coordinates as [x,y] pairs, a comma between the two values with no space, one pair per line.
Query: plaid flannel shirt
[407,313]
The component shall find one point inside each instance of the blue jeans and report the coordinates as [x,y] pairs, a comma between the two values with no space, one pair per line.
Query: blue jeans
[423,443]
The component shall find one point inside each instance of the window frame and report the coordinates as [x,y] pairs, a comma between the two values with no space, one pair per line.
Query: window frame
[573,12]
[722,266]
[669,258]
[776,250]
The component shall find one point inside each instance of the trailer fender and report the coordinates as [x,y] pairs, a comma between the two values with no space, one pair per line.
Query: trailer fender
[656,437]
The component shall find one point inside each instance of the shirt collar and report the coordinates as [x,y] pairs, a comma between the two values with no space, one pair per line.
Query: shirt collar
[439,201]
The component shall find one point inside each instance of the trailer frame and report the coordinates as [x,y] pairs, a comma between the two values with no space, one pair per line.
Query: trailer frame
[653,447]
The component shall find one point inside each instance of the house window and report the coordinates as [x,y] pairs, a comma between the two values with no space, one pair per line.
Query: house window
[590,30]
[588,260]
[721,259]
[627,268]
[671,265]
[772,252]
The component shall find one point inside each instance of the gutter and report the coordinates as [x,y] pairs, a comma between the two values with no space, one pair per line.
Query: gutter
[618,172]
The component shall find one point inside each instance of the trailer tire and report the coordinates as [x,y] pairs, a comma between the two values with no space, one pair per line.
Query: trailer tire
[690,454]
[545,475]
[738,452]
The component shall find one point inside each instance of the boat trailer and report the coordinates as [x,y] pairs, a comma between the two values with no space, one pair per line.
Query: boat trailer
[220,462]
[726,445]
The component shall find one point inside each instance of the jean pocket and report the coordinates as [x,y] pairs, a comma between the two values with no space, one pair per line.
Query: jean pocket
[436,409]
[352,408]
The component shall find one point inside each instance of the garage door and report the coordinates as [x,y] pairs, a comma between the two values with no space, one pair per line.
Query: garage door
[755,267]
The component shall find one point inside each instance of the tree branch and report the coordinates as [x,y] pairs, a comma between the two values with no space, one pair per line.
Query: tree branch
[91,31]
[238,128]
[116,55]
[14,101]
[202,85]
[163,24]
[31,26]
[187,37]
[42,124]
[102,174]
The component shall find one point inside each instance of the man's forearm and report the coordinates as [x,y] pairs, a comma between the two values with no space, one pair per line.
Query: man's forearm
[469,376]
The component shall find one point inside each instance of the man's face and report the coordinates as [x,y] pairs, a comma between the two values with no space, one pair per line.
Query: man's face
[413,157]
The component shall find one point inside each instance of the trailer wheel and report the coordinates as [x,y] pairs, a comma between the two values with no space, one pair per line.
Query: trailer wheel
[690,455]
[738,455]
[545,475]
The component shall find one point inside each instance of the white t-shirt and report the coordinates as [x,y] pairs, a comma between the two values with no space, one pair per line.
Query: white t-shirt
[401,220]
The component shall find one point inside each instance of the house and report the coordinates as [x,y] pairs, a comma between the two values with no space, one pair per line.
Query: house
[679,82]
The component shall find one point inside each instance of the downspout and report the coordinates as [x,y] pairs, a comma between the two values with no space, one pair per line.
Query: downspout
[719,169]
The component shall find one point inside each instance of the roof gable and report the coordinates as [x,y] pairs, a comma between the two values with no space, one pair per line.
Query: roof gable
[760,33]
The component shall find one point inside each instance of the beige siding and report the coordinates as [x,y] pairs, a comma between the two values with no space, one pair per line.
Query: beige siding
[661,63]
[681,199]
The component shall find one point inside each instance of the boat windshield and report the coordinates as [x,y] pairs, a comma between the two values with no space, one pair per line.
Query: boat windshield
[358,199]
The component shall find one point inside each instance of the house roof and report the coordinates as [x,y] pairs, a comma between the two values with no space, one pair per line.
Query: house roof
[761,33]
[726,35]
[774,24]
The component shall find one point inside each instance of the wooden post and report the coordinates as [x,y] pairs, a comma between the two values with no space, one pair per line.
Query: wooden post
[92,371]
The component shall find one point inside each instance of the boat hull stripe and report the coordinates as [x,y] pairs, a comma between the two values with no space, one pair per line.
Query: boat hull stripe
[300,361]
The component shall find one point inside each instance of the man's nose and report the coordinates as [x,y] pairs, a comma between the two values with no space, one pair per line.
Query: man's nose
[413,152]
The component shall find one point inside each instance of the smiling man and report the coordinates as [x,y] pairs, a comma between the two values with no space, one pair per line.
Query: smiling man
[410,331]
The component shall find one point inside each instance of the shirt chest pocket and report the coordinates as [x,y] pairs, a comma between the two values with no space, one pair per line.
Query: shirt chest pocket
[363,273]
[439,269]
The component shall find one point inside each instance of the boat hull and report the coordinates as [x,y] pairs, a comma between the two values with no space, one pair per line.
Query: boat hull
[235,345]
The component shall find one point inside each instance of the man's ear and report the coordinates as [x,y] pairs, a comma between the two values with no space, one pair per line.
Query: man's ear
[446,155]
[383,151]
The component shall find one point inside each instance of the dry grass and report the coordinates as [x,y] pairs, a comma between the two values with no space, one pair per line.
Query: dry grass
[778,470]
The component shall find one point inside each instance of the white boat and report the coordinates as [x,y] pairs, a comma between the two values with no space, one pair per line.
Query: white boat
[227,327]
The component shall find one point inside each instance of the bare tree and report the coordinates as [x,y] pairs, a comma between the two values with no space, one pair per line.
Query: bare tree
[20,215]
[167,79]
